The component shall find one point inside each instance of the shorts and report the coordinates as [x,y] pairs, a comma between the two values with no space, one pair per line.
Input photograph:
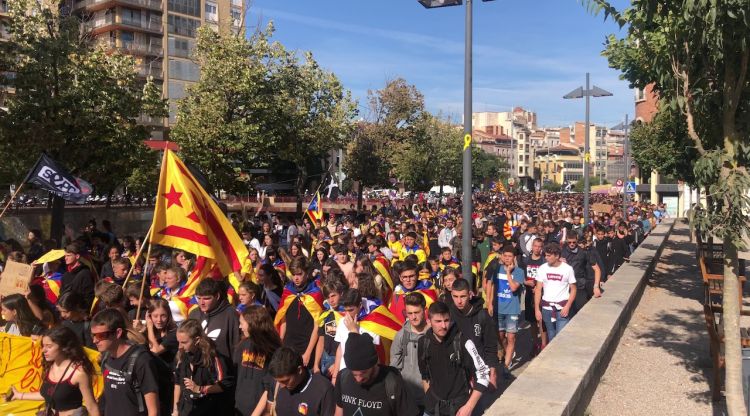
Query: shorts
[507,323]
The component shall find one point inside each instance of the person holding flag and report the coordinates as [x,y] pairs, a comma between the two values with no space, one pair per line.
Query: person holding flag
[299,311]
[187,218]
[315,210]
[364,315]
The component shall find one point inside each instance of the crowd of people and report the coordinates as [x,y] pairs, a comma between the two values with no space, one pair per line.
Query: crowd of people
[364,314]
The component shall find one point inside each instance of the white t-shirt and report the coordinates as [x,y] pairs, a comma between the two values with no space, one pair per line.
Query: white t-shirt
[556,281]
[342,334]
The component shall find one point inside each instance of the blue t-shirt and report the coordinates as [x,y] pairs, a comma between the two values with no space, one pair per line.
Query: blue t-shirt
[508,301]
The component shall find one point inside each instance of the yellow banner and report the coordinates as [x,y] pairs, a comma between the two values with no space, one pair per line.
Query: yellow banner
[21,367]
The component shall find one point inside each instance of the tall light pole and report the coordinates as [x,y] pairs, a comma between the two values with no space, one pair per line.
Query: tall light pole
[580,92]
[626,162]
[467,205]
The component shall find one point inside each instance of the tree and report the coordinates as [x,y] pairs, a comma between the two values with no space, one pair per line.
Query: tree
[593,181]
[364,161]
[313,113]
[79,103]
[664,145]
[696,53]
[486,167]
[221,120]
[395,114]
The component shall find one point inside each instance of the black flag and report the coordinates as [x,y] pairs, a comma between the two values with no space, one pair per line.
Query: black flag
[53,177]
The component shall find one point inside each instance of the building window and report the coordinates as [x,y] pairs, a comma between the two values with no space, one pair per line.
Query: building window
[236,16]
[127,37]
[189,7]
[184,70]
[131,16]
[182,26]
[212,12]
[180,47]
[640,94]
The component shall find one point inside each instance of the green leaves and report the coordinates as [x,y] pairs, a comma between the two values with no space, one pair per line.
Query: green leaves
[78,102]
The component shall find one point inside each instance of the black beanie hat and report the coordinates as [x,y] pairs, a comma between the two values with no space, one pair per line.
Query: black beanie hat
[360,353]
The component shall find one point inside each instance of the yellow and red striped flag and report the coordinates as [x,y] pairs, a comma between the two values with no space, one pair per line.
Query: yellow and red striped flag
[187,218]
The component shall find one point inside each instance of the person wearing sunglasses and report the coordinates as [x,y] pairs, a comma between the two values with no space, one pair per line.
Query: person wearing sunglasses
[130,374]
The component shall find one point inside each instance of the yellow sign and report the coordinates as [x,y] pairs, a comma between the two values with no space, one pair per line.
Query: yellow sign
[467,141]
[587,157]
[21,367]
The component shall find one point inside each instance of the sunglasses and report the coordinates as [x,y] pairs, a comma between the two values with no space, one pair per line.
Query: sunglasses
[101,336]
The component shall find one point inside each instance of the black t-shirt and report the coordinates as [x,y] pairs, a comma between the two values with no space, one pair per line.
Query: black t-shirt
[119,397]
[250,376]
[530,266]
[169,342]
[328,331]
[313,397]
[299,325]
[374,400]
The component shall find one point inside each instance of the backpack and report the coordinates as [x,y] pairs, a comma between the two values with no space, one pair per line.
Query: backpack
[456,357]
[164,377]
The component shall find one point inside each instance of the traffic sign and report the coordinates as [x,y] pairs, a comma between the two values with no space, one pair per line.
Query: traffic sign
[618,182]
[630,187]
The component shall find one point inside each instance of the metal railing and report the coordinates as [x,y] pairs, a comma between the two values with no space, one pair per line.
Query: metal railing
[150,70]
[146,4]
[152,24]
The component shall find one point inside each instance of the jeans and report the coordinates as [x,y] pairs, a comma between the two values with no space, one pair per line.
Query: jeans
[553,328]
[326,362]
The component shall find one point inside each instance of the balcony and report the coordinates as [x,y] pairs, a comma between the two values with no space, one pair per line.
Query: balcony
[152,70]
[94,5]
[153,25]
[135,48]
[182,31]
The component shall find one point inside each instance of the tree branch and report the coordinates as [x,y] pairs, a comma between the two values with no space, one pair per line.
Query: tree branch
[740,84]
[682,75]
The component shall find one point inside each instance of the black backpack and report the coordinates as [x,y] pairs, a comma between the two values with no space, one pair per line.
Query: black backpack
[164,377]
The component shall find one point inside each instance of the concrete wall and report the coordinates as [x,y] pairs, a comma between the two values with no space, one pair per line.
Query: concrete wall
[126,221]
[561,380]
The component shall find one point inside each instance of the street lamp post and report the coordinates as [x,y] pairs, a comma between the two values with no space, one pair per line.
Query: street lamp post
[467,203]
[580,92]
[626,163]
[625,157]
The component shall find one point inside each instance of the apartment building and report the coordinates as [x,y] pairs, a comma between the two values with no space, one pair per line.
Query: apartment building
[492,141]
[4,89]
[517,124]
[160,34]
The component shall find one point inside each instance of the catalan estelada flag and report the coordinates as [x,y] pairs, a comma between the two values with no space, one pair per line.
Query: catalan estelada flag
[315,210]
[187,218]
[377,319]
[383,267]
[310,298]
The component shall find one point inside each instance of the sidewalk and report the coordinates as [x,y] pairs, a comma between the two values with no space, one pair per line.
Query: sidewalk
[662,364]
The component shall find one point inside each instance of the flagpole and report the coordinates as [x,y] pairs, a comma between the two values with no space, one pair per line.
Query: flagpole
[138,254]
[143,281]
[12,197]
[322,180]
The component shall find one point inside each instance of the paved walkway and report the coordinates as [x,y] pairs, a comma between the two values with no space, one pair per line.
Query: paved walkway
[662,364]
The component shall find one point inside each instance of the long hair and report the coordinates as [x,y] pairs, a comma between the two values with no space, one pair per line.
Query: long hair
[70,347]
[366,286]
[25,319]
[159,303]
[272,275]
[193,329]
[262,332]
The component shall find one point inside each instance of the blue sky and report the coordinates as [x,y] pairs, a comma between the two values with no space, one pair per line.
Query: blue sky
[527,53]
